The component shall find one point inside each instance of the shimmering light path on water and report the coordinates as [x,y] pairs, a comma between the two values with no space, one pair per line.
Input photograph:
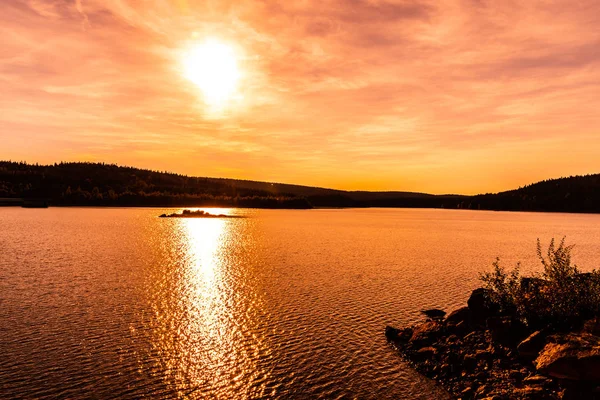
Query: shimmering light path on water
[116,303]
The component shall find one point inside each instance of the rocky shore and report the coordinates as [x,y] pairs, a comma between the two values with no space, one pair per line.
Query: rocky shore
[479,352]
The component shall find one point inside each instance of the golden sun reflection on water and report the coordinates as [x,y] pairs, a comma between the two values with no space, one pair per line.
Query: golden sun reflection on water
[204,238]
[202,329]
[204,302]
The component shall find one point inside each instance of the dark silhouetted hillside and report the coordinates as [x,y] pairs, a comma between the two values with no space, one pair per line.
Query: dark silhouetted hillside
[572,194]
[93,184]
[98,184]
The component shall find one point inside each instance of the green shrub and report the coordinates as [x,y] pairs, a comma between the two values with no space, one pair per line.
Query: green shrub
[560,295]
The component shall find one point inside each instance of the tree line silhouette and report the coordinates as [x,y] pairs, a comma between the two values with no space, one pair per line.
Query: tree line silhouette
[570,194]
[100,184]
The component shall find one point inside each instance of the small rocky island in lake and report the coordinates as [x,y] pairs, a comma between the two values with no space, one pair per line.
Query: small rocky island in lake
[197,214]
[517,338]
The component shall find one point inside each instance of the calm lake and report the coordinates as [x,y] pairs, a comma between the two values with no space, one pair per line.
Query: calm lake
[117,303]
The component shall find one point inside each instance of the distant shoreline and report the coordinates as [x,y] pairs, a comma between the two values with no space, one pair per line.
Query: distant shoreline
[109,185]
[302,209]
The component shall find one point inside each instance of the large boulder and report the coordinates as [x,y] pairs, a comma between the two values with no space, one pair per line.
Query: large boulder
[530,348]
[571,356]
[481,305]
[463,314]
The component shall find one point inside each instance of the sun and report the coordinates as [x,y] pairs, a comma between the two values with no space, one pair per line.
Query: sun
[213,67]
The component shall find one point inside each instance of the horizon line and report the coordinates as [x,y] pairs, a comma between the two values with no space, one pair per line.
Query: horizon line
[292,184]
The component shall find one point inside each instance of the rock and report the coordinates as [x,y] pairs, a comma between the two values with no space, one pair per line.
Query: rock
[483,355]
[454,360]
[571,356]
[452,339]
[538,380]
[499,327]
[481,391]
[434,313]
[532,393]
[425,353]
[481,376]
[515,375]
[469,362]
[461,329]
[467,394]
[529,348]
[426,334]
[398,335]
[481,305]
[457,316]
[505,330]
[391,333]
[592,326]
[580,392]
[445,369]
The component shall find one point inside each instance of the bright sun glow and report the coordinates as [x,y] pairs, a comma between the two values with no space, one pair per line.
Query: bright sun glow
[213,67]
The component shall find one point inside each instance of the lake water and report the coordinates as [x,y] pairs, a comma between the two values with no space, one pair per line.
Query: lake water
[117,303]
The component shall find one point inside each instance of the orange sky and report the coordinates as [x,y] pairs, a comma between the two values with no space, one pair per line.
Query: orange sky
[457,96]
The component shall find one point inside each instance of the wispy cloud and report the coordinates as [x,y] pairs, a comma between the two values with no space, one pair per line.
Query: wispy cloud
[85,22]
[454,96]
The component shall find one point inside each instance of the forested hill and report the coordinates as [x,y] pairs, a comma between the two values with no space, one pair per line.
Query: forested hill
[97,184]
[572,194]
[111,185]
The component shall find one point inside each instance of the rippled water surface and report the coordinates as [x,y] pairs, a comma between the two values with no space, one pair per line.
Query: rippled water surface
[117,303]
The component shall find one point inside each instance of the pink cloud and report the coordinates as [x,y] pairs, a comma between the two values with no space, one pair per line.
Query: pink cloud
[417,95]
